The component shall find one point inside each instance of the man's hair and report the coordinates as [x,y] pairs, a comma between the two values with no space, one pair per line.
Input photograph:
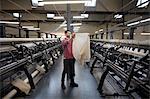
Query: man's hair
[66,31]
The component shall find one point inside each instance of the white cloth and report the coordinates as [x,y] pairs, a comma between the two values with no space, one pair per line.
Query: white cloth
[81,47]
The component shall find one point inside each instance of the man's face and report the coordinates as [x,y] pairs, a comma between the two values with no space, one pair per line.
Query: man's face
[67,34]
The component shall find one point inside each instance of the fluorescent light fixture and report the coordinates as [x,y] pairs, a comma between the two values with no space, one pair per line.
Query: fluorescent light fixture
[30,26]
[128,33]
[63,25]
[91,3]
[85,15]
[142,3]
[33,7]
[145,34]
[96,31]
[35,2]
[76,24]
[134,23]
[101,30]
[78,17]
[33,29]
[58,17]
[7,22]
[72,24]
[118,16]
[145,20]
[50,15]
[141,21]
[17,15]
[63,2]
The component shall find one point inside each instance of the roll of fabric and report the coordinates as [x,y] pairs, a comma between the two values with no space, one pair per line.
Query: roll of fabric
[20,84]
[81,47]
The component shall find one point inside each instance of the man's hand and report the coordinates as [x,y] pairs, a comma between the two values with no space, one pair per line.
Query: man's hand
[73,35]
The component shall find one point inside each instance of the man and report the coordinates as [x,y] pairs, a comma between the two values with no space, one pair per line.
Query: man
[69,60]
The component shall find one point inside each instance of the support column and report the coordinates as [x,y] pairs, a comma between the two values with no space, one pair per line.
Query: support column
[51,35]
[46,35]
[131,33]
[27,34]
[111,34]
[106,30]
[68,17]
[102,34]
[2,31]
[39,34]
[92,36]
[19,25]
[122,34]
[96,36]
[123,19]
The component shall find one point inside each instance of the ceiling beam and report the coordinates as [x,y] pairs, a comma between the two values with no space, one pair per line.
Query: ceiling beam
[51,20]
[88,12]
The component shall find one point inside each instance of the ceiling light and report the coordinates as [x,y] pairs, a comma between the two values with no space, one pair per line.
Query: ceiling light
[17,15]
[75,24]
[101,30]
[50,15]
[134,23]
[145,34]
[7,22]
[58,17]
[72,24]
[145,20]
[96,31]
[141,21]
[85,15]
[63,2]
[35,3]
[33,29]
[128,33]
[78,17]
[142,3]
[27,26]
[118,16]
[91,3]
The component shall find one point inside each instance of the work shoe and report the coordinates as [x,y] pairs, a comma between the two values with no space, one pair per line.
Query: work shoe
[63,86]
[73,85]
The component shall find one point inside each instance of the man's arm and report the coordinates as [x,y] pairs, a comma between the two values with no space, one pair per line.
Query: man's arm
[65,42]
[73,36]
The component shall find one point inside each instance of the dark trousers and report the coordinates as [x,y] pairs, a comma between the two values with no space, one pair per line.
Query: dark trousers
[68,69]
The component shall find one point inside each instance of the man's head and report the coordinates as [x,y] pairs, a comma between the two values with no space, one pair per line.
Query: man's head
[67,34]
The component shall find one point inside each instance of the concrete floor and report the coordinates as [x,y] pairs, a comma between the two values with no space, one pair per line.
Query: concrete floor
[49,87]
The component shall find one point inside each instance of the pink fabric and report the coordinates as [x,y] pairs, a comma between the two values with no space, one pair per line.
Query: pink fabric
[67,45]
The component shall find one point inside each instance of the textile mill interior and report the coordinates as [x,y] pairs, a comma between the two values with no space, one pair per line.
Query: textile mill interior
[74,49]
